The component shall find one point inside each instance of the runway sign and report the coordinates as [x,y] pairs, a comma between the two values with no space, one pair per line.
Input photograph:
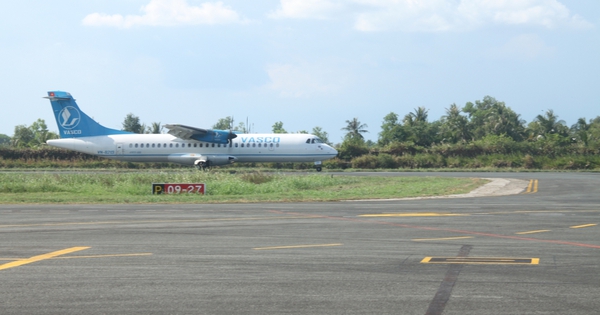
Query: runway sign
[158,189]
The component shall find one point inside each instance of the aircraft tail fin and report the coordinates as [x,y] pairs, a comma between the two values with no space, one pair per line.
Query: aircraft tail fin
[72,122]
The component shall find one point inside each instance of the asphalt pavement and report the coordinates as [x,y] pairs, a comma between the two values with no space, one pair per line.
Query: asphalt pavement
[535,251]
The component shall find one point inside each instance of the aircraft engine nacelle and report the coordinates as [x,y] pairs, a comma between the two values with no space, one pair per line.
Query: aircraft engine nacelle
[214,160]
[215,136]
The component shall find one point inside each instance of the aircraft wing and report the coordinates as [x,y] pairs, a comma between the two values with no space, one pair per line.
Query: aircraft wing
[208,135]
[186,132]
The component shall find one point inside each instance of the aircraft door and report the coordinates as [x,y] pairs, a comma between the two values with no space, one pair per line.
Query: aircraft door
[120,149]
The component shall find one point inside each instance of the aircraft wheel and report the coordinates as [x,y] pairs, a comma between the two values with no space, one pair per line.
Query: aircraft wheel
[202,166]
[319,169]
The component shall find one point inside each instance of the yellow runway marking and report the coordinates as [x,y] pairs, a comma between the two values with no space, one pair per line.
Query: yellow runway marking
[104,256]
[532,232]
[155,221]
[418,214]
[297,246]
[532,188]
[40,257]
[480,260]
[582,226]
[442,239]
[88,256]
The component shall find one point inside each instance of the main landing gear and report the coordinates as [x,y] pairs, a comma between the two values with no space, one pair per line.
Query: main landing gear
[201,165]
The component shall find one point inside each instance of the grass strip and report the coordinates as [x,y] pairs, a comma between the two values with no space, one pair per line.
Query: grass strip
[221,187]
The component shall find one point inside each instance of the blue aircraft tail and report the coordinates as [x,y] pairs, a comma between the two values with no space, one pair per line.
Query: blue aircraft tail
[72,122]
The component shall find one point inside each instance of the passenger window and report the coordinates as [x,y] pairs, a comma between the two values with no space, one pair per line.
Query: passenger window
[153,145]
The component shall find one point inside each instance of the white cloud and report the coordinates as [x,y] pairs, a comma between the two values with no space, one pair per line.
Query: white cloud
[547,13]
[168,13]
[306,9]
[405,15]
[302,80]
[434,15]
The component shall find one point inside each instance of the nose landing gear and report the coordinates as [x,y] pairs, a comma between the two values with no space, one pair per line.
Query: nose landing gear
[318,166]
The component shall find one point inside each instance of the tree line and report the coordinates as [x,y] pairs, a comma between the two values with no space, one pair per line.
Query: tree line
[484,133]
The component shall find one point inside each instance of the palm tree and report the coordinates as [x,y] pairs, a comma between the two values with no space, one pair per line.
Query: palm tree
[549,123]
[355,129]
[156,128]
[455,126]
[419,116]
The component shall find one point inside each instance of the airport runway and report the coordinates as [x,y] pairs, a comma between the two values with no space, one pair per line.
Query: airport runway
[531,253]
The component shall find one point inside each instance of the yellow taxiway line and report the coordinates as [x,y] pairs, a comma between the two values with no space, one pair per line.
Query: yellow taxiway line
[33,259]
[532,232]
[532,188]
[582,226]
[441,239]
[417,214]
[297,246]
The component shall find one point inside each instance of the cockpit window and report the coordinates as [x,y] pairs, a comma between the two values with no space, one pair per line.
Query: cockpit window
[314,140]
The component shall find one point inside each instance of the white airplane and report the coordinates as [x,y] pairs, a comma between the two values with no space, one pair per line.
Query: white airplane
[183,144]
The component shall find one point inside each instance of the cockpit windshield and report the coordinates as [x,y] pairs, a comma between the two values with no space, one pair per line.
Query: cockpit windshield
[314,140]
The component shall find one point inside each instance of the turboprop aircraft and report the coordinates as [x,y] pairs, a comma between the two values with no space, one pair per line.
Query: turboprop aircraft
[185,145]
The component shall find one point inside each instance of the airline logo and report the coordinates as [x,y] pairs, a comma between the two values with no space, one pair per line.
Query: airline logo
[69,117]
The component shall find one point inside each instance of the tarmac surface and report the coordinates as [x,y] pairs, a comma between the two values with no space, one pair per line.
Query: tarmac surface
[527,243]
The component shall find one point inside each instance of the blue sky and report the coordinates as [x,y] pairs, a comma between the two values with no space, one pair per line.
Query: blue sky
[306,63]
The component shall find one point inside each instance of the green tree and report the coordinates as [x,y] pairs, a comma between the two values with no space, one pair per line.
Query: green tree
[418,116]
[418,129]
[352,147]
[224,123]
[4,139]
[34,135]
[278,127]
[155,128]
[455,127]
[132,124]
[355,129]
[491,117]
[41,133]
[22,137]
[241,127]
[391,130]
[547,124]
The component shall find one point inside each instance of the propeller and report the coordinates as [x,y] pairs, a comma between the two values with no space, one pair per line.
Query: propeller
[231,135]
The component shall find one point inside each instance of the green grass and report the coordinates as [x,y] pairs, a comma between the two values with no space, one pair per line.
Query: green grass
[221,187]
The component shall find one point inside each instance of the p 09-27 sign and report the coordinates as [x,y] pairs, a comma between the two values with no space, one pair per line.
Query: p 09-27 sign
[158,189]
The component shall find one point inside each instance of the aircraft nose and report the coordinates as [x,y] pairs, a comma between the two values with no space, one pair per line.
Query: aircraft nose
[333,151]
